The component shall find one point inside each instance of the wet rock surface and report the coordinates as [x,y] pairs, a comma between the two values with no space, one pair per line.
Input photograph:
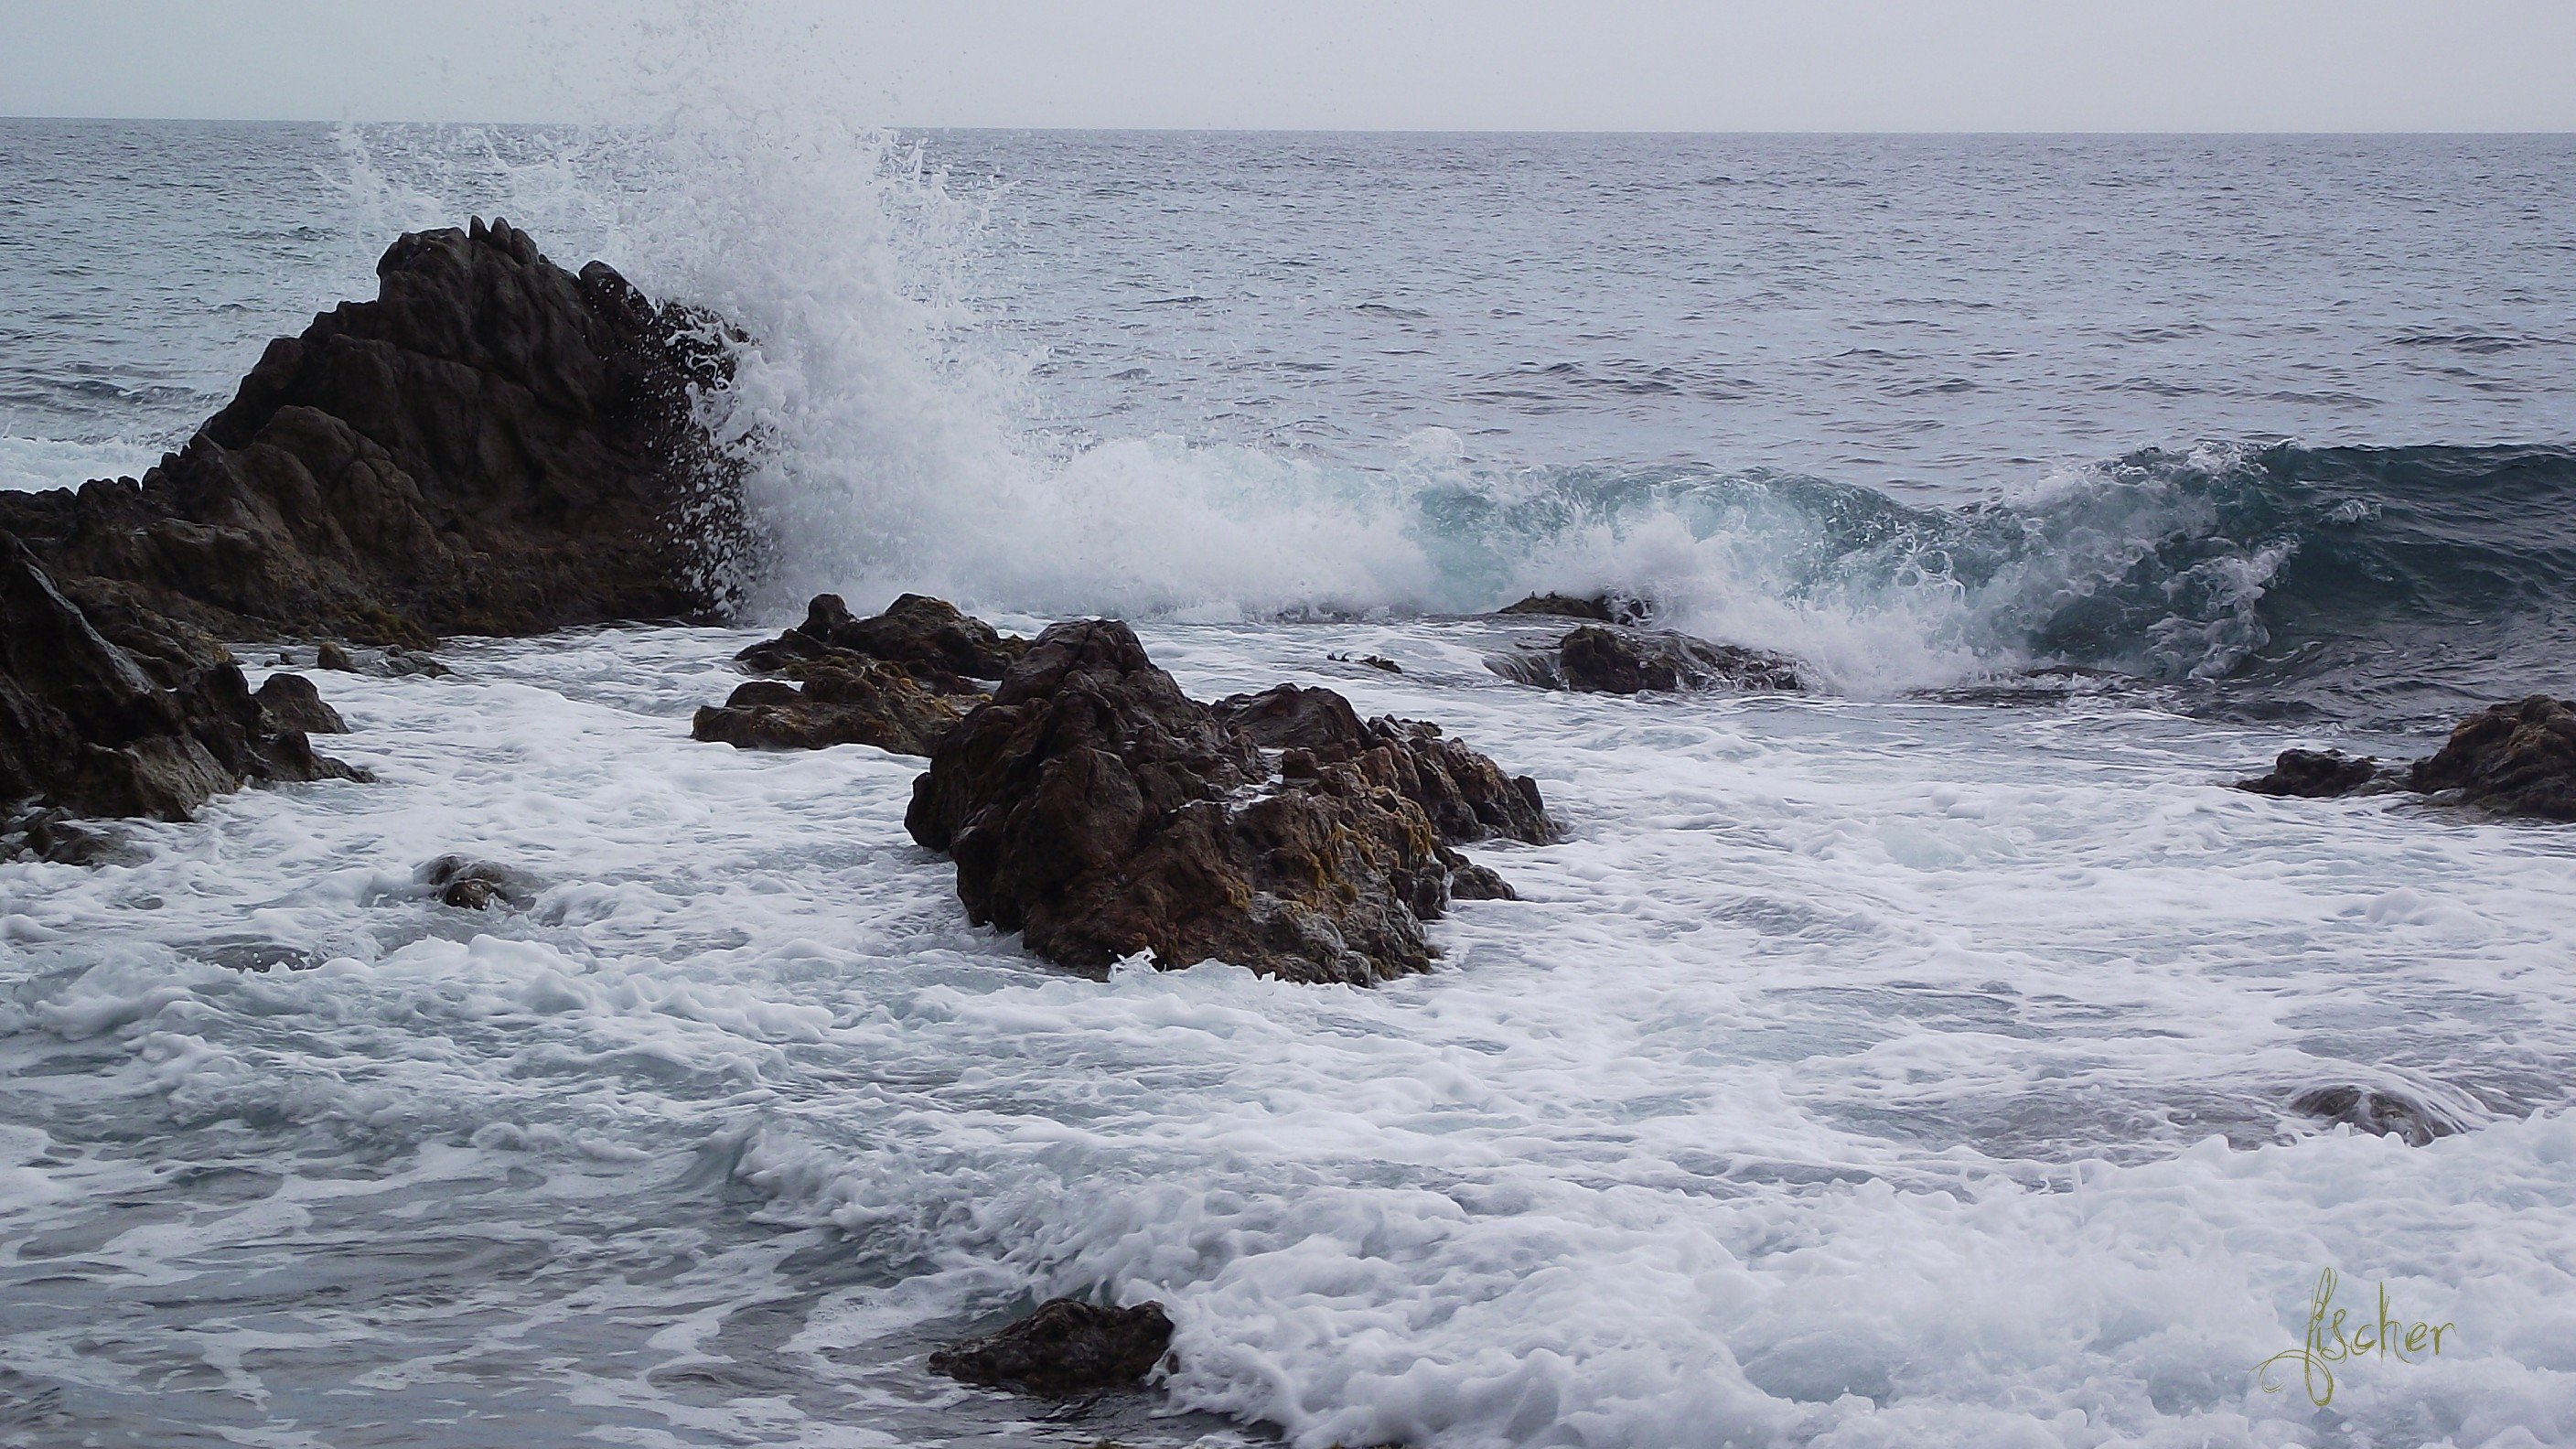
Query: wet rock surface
[1608,659]
[1602,608]
[855,703]
[2514,759]
[1465,795]
[2511,759]
[1093,807]
[476,885]
[1067,1347]
[290,702]
[90,728]
[899,681]
[2379,1111]
[2317,775]
[943,650]
[492,446]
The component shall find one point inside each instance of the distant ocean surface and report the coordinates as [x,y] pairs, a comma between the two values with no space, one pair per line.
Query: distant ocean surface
[1903,1064]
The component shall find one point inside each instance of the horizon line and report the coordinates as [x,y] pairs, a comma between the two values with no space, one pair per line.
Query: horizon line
[1243,130]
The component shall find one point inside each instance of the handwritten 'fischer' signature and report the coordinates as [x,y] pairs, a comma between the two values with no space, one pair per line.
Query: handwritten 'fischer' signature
[2330,1343]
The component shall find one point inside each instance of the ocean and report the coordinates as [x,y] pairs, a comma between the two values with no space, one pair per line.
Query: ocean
[1908,1062]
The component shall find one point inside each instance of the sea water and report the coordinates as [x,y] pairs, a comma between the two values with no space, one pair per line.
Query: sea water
[1905,1063]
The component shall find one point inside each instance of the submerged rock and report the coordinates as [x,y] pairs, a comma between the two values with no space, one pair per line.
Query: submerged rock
[1606,659]
[2515,759]
[89,728]
[1066,1347]
[492,446]
[1100,812]
[401,663]
[56,836]
[2315,775]
[1602,608]
[290,702]
[476,885]
[2380,1112]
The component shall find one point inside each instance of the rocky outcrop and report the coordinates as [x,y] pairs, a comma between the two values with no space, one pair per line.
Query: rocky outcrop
[1066,1347]
[290,702]
[1603,608]
[1464,794]
[1606,659]
[2315,775]
[492,446]
[93,728]
[898,681]
[945,651]
[2514,759]
[860,702]
[1093,807]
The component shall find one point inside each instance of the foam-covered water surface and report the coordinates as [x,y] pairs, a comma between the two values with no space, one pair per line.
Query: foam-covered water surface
[1856,1072]
[1912,1062]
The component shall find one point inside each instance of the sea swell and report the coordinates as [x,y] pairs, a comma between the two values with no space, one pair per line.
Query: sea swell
[2387,586]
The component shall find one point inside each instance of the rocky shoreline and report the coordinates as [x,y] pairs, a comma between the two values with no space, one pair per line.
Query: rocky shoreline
[498,446]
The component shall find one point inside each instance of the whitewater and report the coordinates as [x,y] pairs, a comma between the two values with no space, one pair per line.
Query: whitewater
[1907,1063]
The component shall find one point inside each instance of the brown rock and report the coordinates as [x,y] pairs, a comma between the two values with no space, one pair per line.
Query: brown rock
[1606,659]
[1100,812]
[925,637]
[476,885]
[847,701]
[1465,795]
[1603,608]
[1066,1347]
[2314,775]
[493,446]
[2379,1112]
[86,728]
[2515,759]
[290,702]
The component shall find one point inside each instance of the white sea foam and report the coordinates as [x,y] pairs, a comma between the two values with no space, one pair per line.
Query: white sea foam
[1858,1073]
[1861,1071]
[30,465]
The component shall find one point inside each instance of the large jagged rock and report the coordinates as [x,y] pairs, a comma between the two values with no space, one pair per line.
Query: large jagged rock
[1607,659]
[1066,1347]
[2515,759]
[88,727]
[492,446]
[897,681]
[1100,812]
[1465,795]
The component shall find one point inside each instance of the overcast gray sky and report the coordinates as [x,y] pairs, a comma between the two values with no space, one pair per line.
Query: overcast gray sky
[1439,64]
